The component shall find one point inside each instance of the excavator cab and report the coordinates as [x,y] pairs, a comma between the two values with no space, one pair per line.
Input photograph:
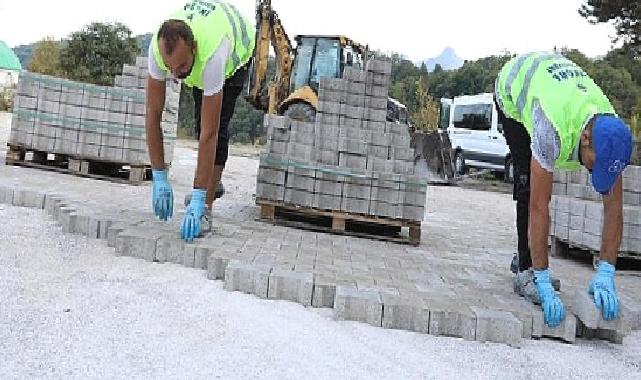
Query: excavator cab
[320,56]
[317,57]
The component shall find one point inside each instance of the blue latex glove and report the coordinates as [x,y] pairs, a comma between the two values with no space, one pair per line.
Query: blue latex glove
[553,308]
[190,228]
[163,196]
[604,292]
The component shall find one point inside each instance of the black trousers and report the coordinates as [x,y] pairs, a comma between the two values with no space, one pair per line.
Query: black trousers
[231,90]
[518,140]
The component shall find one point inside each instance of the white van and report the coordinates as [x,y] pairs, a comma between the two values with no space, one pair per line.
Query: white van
[476,135]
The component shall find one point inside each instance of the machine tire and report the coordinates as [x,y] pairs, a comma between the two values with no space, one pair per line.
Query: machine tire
[301,112]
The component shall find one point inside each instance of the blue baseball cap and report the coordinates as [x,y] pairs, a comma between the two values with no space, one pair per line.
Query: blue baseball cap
[612,142]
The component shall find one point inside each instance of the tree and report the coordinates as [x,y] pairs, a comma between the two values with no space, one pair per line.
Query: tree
[46,58]
[96,53]
[626,15]
[426,116]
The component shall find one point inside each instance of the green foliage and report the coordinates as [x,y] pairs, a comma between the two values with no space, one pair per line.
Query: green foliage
[96,53]
[46,58]
[625,14]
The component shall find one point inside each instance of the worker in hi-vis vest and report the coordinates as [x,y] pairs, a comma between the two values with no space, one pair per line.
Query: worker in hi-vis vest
[555,117]
[207,45]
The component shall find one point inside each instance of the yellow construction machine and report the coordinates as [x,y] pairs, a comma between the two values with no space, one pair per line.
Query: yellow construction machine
[294,90]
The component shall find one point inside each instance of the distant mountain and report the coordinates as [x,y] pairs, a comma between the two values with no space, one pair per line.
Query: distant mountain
[447,59]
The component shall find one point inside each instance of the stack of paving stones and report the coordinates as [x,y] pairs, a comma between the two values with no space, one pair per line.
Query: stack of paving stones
[92,122]
[382,284]
[576,211]
[576,218]
[350,159]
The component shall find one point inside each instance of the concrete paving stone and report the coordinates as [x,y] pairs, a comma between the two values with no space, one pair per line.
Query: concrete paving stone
[329,107]
[302,138]
[138,242]
[377,91]
[352,146]
[352,112]
[332,84]
[361,306]
[291,286]
[247,278]
[327,120]
[270,191]
[50,202]
[169,249]
[584,308]
[6,194]
[405,313]
[566,331]
[497,326]
[350,122]
[357,88]
[216,267]
[450,318]
[188,255]
[353,74]
[277,147]
[31,199]
[382,66]
[375,102]
[298,197]
[324,291]
[67,219]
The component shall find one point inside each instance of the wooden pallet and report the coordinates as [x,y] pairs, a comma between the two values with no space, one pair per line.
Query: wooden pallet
[561,248]
[91,168]
[365,226]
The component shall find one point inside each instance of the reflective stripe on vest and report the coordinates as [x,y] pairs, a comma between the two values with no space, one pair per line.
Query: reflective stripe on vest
[520,102]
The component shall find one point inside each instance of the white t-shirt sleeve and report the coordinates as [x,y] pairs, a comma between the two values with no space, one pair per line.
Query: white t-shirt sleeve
[214,72]
[546,145]
[154,70]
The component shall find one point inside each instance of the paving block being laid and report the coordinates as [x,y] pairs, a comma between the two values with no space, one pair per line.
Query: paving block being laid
[585,309]
[6,194]
[497,326]
[188,255]
[247,278]
[291,286]
[29,198]
[351,304]
[405,313]
[566,331]
[216,267]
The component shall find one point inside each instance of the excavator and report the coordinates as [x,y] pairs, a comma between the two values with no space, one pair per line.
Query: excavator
[294,90]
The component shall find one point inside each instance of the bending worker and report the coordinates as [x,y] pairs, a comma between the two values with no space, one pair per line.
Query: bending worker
[555,117]
[208,46]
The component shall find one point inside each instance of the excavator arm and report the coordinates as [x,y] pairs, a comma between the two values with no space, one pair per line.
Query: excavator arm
[269,30]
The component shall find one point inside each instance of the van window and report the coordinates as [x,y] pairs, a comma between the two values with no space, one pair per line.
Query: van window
[477,117]
[444,116]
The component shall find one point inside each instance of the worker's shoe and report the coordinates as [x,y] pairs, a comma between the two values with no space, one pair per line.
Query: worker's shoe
[514,268]
[525,287]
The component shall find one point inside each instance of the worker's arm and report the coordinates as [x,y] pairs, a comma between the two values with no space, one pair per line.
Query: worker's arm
[612,223]
[539,222]
[209,125]
[155,105]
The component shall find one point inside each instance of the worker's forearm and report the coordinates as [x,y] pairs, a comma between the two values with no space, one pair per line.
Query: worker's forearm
[206,154]
[612,232]
[539,229]
[155,139]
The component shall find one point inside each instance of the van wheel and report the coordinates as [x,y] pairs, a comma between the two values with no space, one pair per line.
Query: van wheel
[459,163]
[508,175]
[301,112]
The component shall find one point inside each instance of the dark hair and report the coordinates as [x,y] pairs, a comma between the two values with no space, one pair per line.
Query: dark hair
[173,30]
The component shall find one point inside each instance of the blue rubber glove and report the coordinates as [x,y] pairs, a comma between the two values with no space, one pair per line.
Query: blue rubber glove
[604,292]
[190,228]
[553,308]
[163,196]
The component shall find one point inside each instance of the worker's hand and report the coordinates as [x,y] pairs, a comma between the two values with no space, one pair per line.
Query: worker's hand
[604,292]
[190,228]
[553,308]
[163,196]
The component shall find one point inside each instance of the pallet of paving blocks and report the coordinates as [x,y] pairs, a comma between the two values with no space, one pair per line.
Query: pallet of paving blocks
[88,129]
[350,165]
[576,213]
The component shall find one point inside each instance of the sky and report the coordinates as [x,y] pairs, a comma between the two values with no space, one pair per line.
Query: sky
[416,29]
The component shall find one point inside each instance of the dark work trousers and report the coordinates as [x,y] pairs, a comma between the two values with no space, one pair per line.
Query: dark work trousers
[231,90]
[519,141]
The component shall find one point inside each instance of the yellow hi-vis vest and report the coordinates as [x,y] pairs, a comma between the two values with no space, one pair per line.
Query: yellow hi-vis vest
[566,94]
[210,22]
